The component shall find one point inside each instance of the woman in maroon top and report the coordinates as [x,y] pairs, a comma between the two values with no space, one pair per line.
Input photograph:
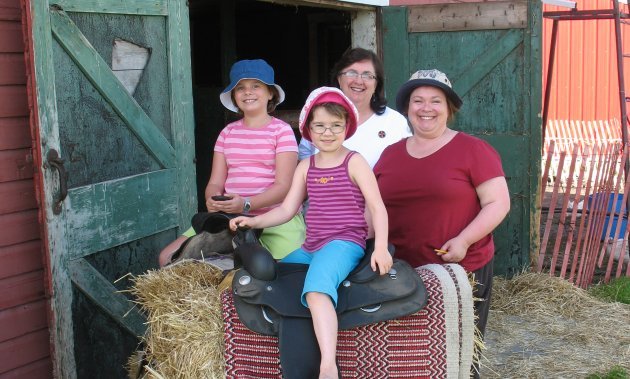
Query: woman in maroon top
[445,191]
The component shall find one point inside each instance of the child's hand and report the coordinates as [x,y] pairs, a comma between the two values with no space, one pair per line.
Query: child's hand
[242,222]
[383,259]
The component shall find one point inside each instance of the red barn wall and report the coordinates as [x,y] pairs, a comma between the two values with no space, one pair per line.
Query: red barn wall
[584,82]
[24,337]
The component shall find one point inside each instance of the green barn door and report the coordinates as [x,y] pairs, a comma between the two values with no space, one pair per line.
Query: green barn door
[491,53]
[114,111]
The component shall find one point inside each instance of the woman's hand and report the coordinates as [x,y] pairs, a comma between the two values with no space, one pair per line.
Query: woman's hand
[234,205]
[456,250]
[383,259]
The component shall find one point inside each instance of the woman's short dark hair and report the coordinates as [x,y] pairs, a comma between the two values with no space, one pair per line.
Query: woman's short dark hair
[357,54]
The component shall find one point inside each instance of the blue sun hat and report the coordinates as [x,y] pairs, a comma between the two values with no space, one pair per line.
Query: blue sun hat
[433,78]
[249,69]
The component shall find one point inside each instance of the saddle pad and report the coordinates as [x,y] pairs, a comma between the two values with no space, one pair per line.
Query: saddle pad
[432,343]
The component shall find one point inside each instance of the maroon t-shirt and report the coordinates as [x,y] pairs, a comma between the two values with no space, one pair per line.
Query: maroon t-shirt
[432,199]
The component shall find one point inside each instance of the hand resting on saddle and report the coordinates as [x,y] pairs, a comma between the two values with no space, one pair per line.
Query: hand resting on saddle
[257,260]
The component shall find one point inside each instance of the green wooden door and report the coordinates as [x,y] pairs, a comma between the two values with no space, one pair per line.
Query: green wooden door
[491,53]
[128,153]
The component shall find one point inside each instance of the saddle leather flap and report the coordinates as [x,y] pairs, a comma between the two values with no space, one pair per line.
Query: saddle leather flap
[401,282]
[378,311]
[283,294]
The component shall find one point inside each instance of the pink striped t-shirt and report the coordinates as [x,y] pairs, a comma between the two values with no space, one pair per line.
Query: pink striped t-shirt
[250,154]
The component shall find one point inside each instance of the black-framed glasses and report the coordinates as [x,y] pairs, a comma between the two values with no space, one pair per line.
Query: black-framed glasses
[321,129]
[351,74]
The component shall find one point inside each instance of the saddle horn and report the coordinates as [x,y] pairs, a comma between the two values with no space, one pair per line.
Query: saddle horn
[251,255]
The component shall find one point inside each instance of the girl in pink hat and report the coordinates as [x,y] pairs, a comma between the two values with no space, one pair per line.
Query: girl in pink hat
[340,185]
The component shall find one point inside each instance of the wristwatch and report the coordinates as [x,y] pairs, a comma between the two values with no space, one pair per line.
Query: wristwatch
[247,205]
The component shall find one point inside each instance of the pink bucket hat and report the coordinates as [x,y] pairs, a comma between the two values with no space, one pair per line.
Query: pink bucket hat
[329,95]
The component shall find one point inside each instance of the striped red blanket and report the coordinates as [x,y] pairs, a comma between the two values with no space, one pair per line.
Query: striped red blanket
[436,342]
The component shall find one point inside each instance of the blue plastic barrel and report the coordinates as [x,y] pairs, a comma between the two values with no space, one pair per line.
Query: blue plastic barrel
[618,204]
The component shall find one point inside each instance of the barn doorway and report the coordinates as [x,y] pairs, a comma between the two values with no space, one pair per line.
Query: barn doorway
[301,43]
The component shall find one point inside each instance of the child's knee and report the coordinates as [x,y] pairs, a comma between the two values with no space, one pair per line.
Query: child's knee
[318,299]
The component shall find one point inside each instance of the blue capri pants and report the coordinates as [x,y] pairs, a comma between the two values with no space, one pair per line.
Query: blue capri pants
[328,266]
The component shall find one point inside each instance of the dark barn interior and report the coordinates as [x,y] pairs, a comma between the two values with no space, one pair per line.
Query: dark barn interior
[301,44]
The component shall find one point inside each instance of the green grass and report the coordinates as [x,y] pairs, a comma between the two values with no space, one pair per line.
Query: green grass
[617,290]
[615,373]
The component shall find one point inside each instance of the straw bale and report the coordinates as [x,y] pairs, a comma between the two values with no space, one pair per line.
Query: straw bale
[539,327]
[185,333]
[544,327]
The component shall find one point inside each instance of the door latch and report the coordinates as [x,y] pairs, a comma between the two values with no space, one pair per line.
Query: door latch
[54,161]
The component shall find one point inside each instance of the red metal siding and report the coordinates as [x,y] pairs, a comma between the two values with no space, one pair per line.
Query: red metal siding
[24,336]
[584,79]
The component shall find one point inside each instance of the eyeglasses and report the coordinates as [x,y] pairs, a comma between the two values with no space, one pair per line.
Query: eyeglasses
[353,75]
[321,129]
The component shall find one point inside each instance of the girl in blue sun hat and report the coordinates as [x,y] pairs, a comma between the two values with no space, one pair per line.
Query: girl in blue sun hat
[254,158]
[256,69]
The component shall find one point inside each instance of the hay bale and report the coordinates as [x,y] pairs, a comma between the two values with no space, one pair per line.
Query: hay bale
[544,327]
[185,333]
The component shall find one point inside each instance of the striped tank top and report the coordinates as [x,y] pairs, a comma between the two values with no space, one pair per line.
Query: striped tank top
[336,207]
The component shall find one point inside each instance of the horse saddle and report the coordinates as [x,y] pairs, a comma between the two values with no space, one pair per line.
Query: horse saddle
[212,242]
[267,299]
[365,297]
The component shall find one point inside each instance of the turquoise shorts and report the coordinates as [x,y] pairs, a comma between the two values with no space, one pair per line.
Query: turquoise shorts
[328,267]
[279,240]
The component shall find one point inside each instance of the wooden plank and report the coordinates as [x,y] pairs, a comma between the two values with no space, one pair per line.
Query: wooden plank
[20,259]
[582,235]
[23,319]
[416,2]
[134,7]
[468,16]
[43,88]
[484,62]
[563,215]
[550,214]
[11,40]
[14,133]
[572,224]
[395,51]
[104,80]
[19,227]
[182,112]
[15,165]
[10,10]
[22,289]
[97,226]
[41,369]
[532,93]
[106,296]
[12,69]
[23,350]
[14,101]
[17,196]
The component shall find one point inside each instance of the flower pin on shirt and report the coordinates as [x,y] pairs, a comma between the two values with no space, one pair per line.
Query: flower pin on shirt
[381,134]
[324,179]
